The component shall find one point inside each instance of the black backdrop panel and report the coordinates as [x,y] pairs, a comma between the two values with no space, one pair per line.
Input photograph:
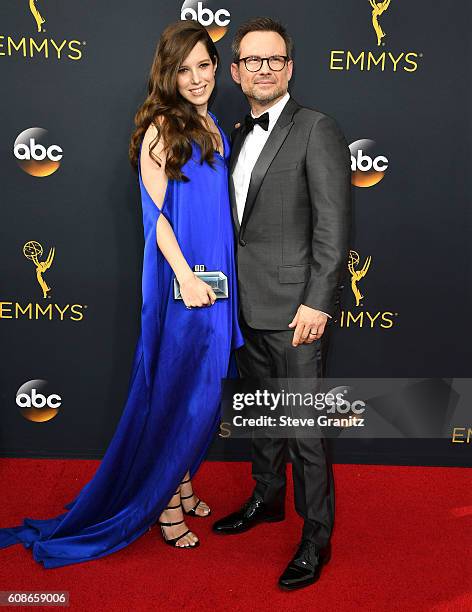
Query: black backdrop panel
[79,76]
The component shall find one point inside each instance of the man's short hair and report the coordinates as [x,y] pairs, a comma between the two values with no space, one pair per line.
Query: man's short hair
[260,24]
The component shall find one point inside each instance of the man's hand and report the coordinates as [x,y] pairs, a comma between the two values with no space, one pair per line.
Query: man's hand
[309,325]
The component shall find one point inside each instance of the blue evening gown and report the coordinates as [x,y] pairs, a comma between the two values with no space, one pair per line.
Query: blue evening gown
[172,410]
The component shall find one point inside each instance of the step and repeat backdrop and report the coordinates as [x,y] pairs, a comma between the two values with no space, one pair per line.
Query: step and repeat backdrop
[396,76]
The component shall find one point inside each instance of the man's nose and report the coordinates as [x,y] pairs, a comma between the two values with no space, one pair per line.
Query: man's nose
[265,69]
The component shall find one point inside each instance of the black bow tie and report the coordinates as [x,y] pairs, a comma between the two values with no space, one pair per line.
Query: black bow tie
[263,121]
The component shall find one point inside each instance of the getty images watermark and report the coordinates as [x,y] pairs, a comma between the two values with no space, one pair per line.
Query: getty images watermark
[348,413]
[335,408]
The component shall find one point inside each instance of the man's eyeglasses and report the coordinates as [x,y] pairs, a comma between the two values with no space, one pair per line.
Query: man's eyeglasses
[254,63]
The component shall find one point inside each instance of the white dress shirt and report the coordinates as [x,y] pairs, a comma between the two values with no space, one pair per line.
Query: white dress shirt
[249,154]
[250,151]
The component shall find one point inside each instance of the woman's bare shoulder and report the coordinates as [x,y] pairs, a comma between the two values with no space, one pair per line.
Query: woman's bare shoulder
[153,129]
[153,138]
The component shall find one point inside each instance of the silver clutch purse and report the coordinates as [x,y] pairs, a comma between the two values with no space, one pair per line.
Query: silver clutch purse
[217,280]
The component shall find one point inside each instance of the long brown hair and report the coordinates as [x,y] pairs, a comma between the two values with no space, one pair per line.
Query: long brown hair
[180,124]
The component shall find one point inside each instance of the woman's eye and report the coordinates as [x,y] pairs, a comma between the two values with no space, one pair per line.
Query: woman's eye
[205,65]
[182,69]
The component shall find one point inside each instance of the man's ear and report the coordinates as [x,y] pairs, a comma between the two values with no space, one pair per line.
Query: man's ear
[290,69]
[235,73]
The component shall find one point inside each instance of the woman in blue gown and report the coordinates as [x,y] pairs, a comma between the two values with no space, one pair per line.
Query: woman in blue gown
[184,347]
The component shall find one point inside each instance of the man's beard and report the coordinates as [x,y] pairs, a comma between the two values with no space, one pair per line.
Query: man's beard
[264,98]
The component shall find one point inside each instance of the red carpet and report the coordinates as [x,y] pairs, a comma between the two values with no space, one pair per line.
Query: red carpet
[402,541]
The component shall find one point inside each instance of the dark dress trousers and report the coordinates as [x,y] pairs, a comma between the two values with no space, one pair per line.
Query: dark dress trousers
[292,247]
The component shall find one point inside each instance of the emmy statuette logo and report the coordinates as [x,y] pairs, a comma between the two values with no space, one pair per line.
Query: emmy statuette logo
[378,58]
[37,43]
[44,309]
[32,250]
[359,317]
[378,8]
[357,274]
[37,15]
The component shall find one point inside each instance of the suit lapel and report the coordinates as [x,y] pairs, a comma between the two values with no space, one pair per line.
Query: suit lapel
[276,139]
[234,208]
[237,143]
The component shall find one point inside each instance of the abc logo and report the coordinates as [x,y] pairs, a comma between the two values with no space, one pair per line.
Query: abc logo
[36,403]
[215,21]
[35,155]
[368,168]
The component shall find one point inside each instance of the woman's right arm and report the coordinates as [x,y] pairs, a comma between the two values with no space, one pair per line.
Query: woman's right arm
[194,291]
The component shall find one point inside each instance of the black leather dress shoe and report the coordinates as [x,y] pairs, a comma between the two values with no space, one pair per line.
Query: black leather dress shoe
[252,513]
[305,567]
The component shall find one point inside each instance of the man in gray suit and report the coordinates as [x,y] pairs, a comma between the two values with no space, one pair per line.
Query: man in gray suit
[290,193]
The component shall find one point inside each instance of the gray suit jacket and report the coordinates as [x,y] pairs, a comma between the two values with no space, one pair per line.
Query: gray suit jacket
[292,243]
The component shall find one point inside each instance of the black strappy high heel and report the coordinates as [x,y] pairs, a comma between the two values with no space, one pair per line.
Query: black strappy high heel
[193,511]
[173,542]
